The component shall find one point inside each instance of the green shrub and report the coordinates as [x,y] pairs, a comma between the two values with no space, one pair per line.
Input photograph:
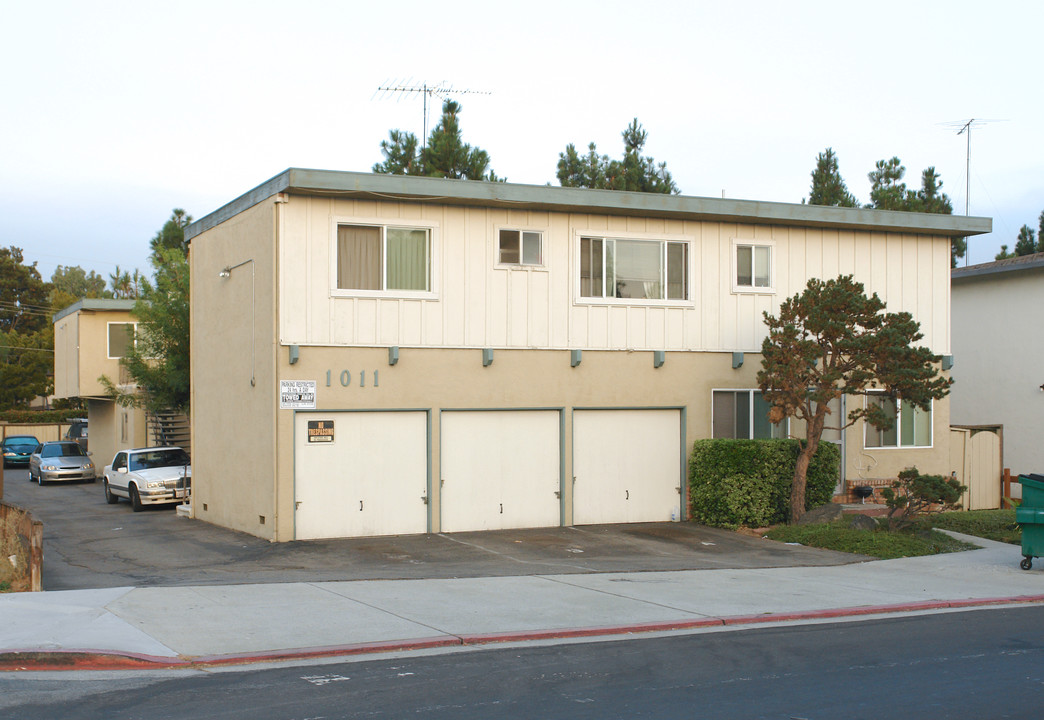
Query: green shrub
[30,417]
[915,495]
[747,482]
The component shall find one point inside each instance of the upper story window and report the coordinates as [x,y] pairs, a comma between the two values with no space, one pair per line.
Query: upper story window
[912,427]
[521,247]
[634,269]
[121,339]
[743,414]
[752,266]
[383,258]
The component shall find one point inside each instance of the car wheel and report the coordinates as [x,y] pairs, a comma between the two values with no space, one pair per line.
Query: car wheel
[135,499]
[39,479]
[109,497]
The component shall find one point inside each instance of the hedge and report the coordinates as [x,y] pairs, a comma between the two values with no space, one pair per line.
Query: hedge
[31,417]
[747,482]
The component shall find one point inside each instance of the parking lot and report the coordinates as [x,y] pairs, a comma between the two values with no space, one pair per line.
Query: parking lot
[89,544]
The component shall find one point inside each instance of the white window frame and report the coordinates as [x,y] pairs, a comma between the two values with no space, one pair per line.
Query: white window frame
[664,239]
[384,224]
[752,289]
[108,337]
[785,422]
[868,428]
[521,264]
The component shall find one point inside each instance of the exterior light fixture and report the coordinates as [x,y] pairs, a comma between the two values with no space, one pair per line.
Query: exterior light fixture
[227,272]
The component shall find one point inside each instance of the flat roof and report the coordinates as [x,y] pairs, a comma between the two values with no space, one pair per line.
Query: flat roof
[94,304]
[1007,265]
[443,191]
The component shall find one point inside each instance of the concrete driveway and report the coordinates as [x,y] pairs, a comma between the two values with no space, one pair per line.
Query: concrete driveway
[88,544]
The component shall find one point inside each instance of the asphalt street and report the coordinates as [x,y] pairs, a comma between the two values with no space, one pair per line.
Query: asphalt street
[974,664]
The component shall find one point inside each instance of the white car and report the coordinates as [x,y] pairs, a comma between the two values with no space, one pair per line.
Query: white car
[148,476]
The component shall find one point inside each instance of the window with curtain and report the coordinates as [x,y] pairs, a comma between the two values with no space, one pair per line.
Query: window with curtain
[743,414]
[634,269]
[753,266]
[520,247]
[383,258]
[121,339]
[912,427]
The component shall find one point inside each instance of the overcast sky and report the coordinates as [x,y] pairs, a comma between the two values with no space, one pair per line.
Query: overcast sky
[114,113]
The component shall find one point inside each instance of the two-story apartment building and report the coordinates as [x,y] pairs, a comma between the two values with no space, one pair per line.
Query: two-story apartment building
[90,337]
[380,354]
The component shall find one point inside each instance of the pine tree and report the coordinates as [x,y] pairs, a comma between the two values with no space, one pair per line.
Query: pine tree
[828,188]
[446,154]
[833,340]
[632,172]
[887,191]
[1026,243]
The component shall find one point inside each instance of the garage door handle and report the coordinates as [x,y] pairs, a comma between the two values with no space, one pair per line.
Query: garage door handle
[501,508]
[627,494]
[360,506]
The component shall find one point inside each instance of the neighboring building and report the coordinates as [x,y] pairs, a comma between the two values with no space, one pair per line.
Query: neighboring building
[90,337]
[998,354]
[376,354]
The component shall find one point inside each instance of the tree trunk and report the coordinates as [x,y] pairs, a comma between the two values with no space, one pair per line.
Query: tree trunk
[813,434]
[797,486]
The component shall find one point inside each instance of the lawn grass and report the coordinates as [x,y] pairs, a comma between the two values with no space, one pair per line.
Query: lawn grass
[996,525]
[879,543]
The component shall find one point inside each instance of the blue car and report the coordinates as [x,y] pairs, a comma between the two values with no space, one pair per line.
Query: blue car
[18,448]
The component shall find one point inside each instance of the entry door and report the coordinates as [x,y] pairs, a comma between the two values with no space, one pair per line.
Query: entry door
[371,479]
[500,469]
[627,465]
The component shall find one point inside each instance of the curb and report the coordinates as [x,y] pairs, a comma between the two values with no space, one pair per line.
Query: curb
[52,660]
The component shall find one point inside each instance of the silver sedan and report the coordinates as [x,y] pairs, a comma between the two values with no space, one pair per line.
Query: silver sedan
[61,461]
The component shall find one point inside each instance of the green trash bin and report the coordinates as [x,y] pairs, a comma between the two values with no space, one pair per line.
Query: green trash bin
[1030,516]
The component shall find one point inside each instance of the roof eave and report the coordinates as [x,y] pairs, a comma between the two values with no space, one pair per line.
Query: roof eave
[444,191]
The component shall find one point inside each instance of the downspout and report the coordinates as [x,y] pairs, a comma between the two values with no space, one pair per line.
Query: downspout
[280,200]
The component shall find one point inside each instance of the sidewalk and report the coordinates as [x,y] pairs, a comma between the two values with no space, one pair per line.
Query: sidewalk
[231,624]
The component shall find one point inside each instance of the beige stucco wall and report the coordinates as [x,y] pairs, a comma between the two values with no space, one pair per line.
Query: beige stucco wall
[66,357]
[998,343]
[438,379]
[234,447]
[113,428]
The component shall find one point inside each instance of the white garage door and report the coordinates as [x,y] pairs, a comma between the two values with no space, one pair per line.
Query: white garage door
[500,469]
[627,465]
[370,479]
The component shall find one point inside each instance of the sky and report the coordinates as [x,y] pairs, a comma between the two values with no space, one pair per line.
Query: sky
[114,113]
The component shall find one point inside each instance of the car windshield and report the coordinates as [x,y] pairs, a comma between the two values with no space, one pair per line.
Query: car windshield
[158,458]
[65,449]
[21,442]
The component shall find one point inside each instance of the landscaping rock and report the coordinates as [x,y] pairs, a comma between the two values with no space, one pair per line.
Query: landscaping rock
[862,522]
[822,514]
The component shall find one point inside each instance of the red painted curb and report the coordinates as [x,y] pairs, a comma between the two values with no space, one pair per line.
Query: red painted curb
[523,635]
[42,660]
[326,651]
[38,660]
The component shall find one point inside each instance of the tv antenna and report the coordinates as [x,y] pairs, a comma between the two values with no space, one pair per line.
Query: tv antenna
[965,128]
[439,90]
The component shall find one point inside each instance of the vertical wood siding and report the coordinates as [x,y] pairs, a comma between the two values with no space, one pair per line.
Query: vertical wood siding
[479,303]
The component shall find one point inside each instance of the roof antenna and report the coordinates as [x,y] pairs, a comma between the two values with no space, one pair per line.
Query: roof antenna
[966,128]
[440,90]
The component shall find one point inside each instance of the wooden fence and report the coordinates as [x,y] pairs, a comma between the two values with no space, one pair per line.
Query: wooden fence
[21,549]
